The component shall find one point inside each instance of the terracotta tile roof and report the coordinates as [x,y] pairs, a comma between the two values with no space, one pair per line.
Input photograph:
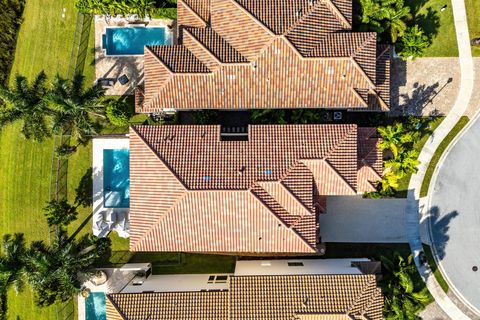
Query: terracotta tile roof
[240,54]
[192,191]
[169,305]
[370,163]
[308,297]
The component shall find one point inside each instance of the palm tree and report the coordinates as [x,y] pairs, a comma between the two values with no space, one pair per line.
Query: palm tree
[56,271]
[396,13]
[11,262]
[75,109]
[402,300]
[404,163]
[60,213]
[414,43]
[382,15]
[25,101]
[394,136]
[389,182]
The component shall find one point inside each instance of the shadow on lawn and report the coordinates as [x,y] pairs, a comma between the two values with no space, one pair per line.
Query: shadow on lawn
[429,22]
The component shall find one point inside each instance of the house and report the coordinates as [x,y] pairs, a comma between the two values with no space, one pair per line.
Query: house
[195,189]
[250,54]
[259,289]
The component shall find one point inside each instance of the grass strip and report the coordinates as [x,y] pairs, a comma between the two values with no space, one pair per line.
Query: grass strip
[438,154]
[433,265]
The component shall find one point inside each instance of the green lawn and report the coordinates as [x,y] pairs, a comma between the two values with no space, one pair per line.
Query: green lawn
[438,154]
[45,38]
[438,25]
[403,183]
[473,17]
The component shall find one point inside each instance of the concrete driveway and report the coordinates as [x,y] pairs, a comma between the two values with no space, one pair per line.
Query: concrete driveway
[455,215]
[354,219]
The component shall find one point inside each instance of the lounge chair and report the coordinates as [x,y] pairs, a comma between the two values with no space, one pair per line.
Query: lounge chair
[106,82]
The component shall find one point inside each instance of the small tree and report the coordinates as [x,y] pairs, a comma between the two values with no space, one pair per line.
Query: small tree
[404,163]
[117,114]
[413,43]
[402,299]
[64,151]
[394,136]
[56,271]
[25,101]
[60,213]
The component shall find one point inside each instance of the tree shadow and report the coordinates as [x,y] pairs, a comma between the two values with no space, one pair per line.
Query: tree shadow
[83,193]
[439,227]
[429,22]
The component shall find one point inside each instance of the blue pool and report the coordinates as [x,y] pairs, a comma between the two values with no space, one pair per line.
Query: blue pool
[116,178]
[95,306]
[132,40]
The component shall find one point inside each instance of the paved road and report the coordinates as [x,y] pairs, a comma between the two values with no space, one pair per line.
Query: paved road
[353,219]
[455,210]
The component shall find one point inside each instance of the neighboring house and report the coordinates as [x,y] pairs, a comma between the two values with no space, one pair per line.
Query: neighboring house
[250,54]
[194,189]
[279,289]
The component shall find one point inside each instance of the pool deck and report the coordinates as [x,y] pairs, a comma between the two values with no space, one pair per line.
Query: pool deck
[99,144]
[112,67]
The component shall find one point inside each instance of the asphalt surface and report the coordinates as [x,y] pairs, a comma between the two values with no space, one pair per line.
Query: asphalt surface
[353,219]
[455,210]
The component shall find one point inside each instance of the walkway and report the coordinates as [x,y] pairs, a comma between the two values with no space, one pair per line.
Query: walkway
[415,205]
[354,219]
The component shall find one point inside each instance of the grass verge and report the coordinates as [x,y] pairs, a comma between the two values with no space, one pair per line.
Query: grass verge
[438,154]
[433,265]
[473,18]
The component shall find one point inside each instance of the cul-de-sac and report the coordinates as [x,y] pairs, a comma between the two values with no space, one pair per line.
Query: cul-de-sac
[239,159]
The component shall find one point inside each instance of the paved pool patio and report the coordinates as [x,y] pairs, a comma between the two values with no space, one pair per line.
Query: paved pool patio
[113,67]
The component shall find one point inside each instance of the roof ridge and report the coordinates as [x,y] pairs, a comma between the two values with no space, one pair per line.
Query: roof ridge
[359,97]
[257,21]
[302,18]
[362,72]
[339,174]
[156,224]
[210,52]
[115,306]
[337,13]
[383,104]
[289,193]
[156,57]
[291,228]
[368,291]
[189,8]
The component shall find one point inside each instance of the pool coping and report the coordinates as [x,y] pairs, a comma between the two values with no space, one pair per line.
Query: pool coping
[98,145]
[169,35]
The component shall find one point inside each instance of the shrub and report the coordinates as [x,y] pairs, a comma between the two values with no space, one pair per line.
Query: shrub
[414,43]
[117,113]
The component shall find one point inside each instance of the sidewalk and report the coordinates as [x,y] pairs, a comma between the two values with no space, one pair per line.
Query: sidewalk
[415,205]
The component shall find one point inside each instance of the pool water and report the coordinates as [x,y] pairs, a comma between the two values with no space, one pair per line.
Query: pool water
[132,40]
[95,306]
[116,178]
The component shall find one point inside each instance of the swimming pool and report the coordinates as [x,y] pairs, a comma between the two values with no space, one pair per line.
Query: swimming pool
[132,40]
[95,306]
[116,178]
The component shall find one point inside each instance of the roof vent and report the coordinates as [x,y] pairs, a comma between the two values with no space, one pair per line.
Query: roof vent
[241,170]
[305,302]
[311,2]
[207,178]
[299,12]
[268,171]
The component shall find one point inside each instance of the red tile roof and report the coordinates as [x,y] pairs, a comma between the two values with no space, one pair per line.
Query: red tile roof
[286,297]
[239,54]
[192,191]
